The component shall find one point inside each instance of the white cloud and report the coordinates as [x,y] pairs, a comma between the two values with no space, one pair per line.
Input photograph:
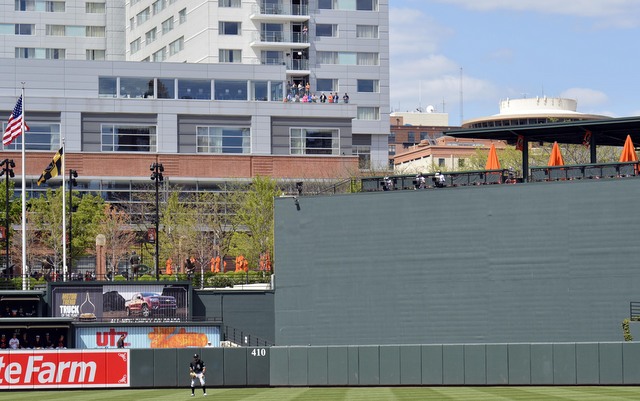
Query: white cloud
[587,98]
[411,32]
[619,13]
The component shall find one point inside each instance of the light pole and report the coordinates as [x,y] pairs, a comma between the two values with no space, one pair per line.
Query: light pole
[7,166]
[73,174]
[156,175]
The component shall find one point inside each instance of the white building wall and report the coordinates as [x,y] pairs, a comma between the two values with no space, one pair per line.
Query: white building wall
[74,16]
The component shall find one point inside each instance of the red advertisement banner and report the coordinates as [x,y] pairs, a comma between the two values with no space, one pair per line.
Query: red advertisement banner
[64,369]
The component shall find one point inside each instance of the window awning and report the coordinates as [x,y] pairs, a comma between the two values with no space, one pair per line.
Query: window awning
[34,298]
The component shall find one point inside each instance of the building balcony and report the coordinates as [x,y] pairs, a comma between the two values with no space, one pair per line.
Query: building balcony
[280,12]
[280,40]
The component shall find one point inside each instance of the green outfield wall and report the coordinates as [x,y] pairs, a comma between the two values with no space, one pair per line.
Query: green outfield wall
[395,365]
[544,262]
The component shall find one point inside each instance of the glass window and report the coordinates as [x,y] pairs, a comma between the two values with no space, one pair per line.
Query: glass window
[182,16]
[310,141]
[367,31]
[326,4]
[194,89]
[160,55]
[326,85]
[134,46]
[229,27]
[229,56]
[272,32]
[158,6]
[95,54]
[364,156]
[367,59]
[128,138]
[229,3]
[75,31]
[166,88]
[55,30]
[39,5]
[347,58]
[143,16]
[230,90]
[411,136]
[25,29]
[367,5]
[40,53]
[271,57]
[441,162]
[260,90]
[95,8]
[150,36]
[107,87]
[55,6]
[325,57]
[329,30]
[176,46]
[368,85]
[136,87]
[95,31]
[223,140]
[277,90]
[167,25]
[368,113]
[42,136]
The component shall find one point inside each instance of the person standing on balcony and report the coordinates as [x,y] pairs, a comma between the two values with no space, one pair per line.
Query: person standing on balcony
[345,98]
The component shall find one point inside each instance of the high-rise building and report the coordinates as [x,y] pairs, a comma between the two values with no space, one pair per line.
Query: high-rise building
[225,63]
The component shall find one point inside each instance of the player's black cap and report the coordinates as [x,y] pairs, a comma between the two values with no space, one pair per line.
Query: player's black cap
[195,355]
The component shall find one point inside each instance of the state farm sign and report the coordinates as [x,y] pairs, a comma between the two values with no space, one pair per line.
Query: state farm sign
[64,369]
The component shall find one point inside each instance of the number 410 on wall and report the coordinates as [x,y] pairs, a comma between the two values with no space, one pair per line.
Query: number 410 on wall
[258,352]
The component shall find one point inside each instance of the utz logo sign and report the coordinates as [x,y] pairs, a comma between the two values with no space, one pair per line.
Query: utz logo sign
[64,369]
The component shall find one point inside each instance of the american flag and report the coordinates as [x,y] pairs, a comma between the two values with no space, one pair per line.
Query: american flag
[14,127]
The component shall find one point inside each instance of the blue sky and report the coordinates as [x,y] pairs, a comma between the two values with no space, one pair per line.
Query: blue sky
[586,50]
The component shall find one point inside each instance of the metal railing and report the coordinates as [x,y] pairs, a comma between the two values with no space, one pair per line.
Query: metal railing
[583,171]
[244,339]
[451,179]
[634,311]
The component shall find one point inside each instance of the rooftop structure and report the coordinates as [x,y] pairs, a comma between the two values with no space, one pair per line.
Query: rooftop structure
[538,110]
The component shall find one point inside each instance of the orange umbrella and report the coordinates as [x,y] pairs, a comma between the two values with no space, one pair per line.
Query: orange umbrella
[492,161]
[628,152]
[556,157]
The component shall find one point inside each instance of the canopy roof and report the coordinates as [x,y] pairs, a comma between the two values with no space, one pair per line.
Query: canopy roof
[610,131]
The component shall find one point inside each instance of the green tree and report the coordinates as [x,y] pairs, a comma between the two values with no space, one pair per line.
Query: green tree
[255,215]
[217,224]
[178,229]
[15,206]
[119,235]
[45,217]
[509,158]
[87,217]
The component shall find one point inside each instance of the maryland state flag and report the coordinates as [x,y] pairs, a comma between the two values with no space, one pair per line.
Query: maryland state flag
[53,169]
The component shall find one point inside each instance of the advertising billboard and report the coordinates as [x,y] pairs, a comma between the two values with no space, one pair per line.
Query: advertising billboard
[41,369]
[148,337]
[122,303]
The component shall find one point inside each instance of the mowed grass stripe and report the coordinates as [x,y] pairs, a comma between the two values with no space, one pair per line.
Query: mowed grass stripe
[533,393]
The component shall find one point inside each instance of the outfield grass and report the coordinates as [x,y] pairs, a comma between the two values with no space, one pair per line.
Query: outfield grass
[582,393]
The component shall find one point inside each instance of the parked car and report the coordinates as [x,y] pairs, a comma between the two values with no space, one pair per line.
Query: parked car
[150,303]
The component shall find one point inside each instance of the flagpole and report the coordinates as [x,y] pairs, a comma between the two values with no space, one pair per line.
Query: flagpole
[24,202]
[64,217]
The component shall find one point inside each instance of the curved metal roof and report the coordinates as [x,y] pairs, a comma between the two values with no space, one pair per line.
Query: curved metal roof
[610,131]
